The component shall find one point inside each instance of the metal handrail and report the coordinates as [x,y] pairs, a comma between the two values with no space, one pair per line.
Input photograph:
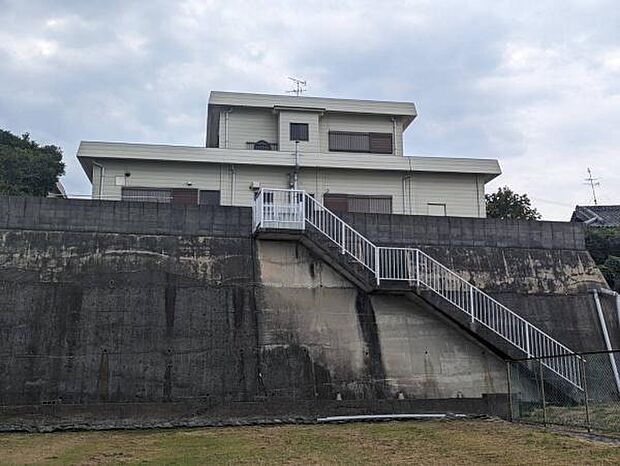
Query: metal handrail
[294,208]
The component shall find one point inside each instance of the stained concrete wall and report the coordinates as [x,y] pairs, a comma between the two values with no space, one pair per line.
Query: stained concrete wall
[363,346]
[88,317]
[541,270]
[177,314]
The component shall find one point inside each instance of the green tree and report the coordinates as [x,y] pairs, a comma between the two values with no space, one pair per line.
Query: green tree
[507,204]
[603,244]
[27,168]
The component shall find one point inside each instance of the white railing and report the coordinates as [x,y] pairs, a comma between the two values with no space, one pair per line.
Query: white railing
[279,209]
[293,209]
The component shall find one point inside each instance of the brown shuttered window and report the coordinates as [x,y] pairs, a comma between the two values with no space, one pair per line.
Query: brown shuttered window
[184,196]
[342,141]
[358,203]
[347,141]
[165,195]
[338,202]
[380,143]
[371,204]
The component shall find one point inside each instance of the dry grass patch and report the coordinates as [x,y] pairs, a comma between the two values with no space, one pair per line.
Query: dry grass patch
[421,442]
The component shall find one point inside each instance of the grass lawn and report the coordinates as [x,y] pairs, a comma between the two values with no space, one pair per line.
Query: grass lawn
[412,442]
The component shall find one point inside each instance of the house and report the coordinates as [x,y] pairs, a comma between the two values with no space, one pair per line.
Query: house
[597,215]
[58,191]
[348,153]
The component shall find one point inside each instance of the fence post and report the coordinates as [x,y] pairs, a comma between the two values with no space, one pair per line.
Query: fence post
[542,392]
[584,383]
[509,377]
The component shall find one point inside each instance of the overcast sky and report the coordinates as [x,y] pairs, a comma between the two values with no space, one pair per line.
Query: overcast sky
[535,84]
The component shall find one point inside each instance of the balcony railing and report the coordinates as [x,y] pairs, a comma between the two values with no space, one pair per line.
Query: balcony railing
[262,145]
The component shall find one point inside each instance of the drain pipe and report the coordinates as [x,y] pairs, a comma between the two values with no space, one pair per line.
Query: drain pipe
[101,175]
[601,317]
[404,180]
[617,296]
[233,184]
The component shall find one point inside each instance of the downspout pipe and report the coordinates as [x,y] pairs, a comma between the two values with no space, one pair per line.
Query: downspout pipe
[226,129]
[102,172]
[616,295]
[404,193]
[233,184]
[601,317]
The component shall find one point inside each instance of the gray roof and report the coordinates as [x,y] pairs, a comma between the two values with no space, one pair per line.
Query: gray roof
[406,110]
[597,215]
[90,151]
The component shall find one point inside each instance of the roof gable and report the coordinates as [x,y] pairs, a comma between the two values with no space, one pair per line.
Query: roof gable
[597,215]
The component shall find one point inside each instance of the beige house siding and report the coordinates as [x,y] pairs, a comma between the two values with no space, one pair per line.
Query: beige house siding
[411,193]
[247,125]
[361,123]
[460,193]
[158,175]
[311,119]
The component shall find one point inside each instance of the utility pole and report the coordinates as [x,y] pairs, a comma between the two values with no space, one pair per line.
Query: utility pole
[593,182]
[296,168]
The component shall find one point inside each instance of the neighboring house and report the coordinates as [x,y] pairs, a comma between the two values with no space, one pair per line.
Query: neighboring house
[58,191]
[349,153]
[597,215]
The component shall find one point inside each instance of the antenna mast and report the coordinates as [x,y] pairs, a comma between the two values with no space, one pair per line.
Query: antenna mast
[593,182]
[300,86]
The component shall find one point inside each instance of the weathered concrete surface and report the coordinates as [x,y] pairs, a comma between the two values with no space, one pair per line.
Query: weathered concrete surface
[109,317]
[540,270]
[134,314]
[364,346]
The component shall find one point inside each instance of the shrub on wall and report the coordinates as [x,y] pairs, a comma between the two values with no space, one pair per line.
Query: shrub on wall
[603,243]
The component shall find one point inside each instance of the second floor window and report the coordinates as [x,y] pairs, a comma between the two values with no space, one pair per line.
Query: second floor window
[348,141]
[299,131]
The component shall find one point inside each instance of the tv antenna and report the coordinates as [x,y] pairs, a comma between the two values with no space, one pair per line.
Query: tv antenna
[593,182]
[300,86]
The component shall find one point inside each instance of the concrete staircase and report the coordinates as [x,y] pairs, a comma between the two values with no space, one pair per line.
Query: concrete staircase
[292,214]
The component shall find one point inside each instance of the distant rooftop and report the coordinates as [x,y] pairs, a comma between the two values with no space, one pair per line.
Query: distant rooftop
[406,110]
[597,215]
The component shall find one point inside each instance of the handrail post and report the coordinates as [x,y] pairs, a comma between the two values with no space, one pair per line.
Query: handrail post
[377,265]
[417,268]
[471,303]
[302,209]
[342,235]
[527,339]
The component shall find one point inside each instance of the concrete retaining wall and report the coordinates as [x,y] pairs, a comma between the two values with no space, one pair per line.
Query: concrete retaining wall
[177,312]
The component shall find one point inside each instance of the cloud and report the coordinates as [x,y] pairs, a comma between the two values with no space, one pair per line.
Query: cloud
[535,84]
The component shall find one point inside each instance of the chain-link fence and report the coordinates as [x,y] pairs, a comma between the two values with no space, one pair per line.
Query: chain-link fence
[539,395]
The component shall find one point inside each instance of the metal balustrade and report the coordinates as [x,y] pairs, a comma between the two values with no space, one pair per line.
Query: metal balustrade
[293,209]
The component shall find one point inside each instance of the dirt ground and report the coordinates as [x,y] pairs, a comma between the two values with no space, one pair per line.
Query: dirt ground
[413,442]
